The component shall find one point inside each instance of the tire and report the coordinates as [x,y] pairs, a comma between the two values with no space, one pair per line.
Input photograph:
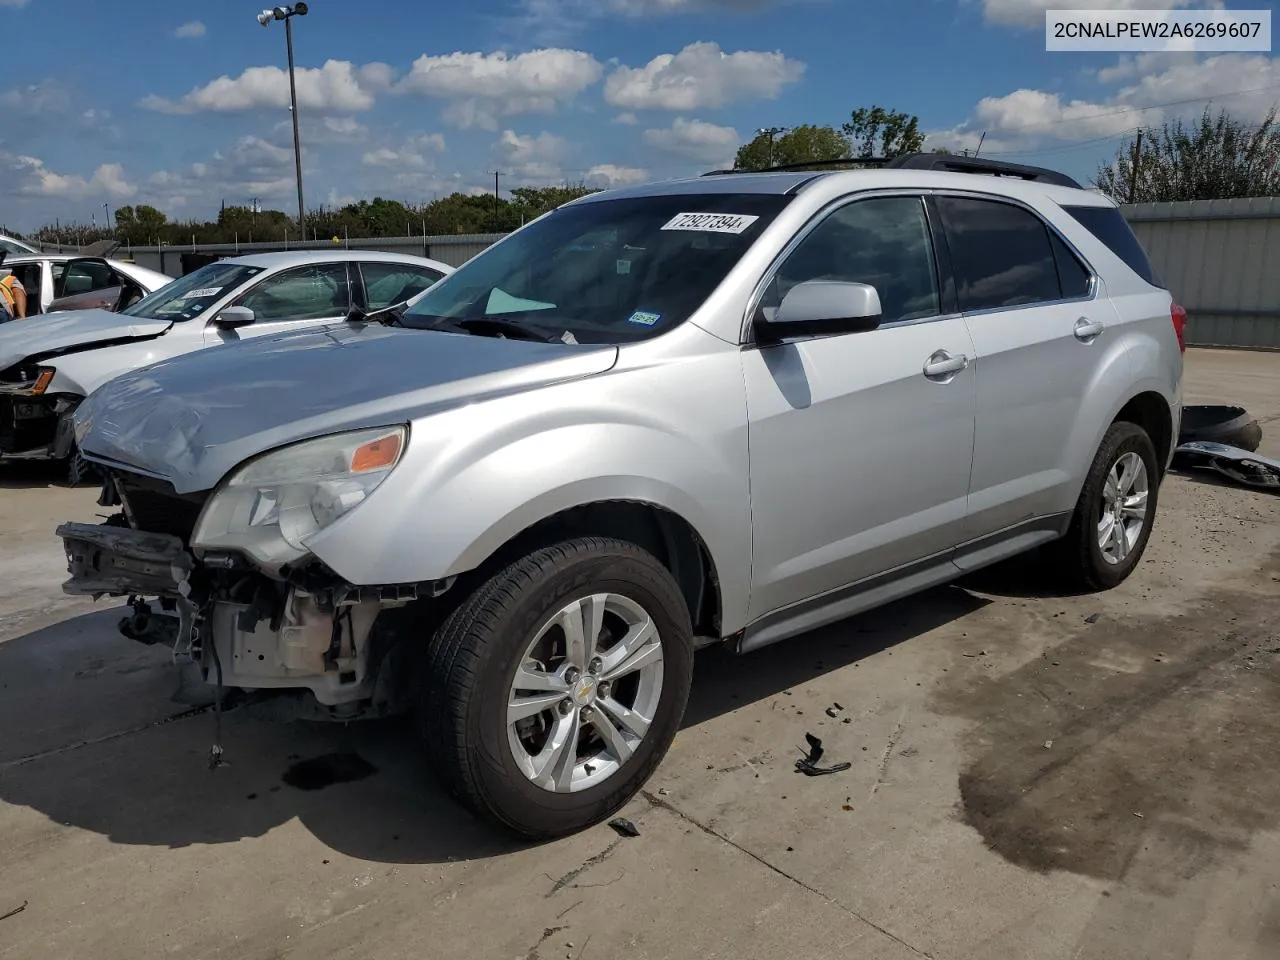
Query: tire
[470,669]
[79,469]
[1079,557]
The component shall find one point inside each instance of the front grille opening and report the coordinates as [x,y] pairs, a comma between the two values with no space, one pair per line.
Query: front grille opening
[155,507]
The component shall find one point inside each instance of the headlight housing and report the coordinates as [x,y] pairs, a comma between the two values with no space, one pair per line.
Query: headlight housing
[269,508]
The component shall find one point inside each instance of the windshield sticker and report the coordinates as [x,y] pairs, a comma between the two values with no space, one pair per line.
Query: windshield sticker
[710,222]
[644,318]
[202,292]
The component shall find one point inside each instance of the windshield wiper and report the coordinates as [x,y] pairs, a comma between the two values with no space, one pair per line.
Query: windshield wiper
[500,325]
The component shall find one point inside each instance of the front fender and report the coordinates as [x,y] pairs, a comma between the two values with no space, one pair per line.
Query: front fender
[498,468]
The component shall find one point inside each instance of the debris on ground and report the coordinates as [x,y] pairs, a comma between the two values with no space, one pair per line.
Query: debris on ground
[1092,618]
[624,827]
[833,712]
[15,911]
[1048,744]
[808,765]
[1219,423]
[1235,463]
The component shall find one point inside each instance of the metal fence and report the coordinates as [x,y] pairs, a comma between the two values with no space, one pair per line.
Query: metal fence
[1220,258]
[178,260]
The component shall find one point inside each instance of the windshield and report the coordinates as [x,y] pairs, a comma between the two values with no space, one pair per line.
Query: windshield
[191,295]
[608,271]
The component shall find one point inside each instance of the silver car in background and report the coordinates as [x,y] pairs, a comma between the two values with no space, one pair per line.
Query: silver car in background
[723,410]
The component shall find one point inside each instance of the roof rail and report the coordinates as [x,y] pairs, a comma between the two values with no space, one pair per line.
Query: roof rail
[958,163]
[950,162]
[808,165]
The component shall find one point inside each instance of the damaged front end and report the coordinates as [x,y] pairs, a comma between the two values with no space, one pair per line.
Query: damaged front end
[35,424]
[296,638]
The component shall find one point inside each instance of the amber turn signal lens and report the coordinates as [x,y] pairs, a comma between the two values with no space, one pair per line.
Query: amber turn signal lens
[42,381]
[376,454]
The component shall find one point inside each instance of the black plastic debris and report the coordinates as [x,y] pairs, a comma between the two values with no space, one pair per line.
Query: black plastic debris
[1242,466]
[1219,423]
[624,827]
[15,911]
[1092,618]
[808,765]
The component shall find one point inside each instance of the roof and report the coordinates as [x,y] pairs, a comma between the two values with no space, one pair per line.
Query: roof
[298,258]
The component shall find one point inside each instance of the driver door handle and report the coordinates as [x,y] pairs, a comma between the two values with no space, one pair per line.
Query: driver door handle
[1086,330]
[943,366]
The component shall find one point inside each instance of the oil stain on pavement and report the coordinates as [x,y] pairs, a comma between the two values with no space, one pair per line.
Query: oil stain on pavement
[1141,749]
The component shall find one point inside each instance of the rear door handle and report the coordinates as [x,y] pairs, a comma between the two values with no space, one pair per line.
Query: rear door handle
[943,366]
[1087,330]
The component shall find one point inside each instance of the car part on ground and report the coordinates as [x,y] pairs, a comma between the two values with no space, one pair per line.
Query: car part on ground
[1220,423]
[49,364]
[720,410]
[1243,466]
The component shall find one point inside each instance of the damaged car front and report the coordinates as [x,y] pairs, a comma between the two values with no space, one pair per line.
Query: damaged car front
[228,534]
[35,404]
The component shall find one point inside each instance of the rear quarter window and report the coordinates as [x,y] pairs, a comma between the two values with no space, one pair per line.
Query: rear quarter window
[1109,225]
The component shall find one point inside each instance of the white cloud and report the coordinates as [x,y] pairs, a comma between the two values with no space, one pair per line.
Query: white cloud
[412,153]
[13,3]
[481,87]
[1030,13]
[252,167]
[28,176]
[336,86]
[701,76]
[696,140]
[1026,118]
[42,99]
[190,30]
[612,175]
[628,119]
[531,157]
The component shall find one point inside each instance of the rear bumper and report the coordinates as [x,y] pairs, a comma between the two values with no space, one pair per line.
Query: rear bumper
[108,560]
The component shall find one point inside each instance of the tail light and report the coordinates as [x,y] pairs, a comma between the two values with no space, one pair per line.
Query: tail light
[1178,315]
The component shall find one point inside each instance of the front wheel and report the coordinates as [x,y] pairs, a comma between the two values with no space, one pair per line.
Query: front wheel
[551,695]
[1115,511]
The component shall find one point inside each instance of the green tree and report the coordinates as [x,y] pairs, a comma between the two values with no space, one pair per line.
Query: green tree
[1217,158]
[803,144]
[877,132]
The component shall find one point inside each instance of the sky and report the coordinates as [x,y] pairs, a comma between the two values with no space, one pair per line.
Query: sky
[185,105]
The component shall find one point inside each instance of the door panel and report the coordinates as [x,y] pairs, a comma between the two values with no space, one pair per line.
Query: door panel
[1028,302]
[859,459]
[292,299]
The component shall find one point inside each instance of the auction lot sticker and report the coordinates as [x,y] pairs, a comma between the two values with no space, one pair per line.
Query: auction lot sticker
[710,222]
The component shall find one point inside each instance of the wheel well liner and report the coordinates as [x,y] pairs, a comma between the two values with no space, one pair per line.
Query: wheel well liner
[1151,412]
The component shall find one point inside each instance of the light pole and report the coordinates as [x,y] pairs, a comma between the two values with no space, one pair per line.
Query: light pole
[287,13]
[771,132]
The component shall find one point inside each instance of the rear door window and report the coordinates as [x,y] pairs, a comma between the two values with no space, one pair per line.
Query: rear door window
[1000,253]
[386,284]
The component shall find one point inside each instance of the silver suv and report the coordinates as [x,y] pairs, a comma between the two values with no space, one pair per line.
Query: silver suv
[727,409]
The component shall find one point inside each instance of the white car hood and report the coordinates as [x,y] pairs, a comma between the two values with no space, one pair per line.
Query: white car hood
[52,334]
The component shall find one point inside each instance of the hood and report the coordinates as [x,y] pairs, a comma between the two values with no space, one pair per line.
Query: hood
[195,417]
[52,334]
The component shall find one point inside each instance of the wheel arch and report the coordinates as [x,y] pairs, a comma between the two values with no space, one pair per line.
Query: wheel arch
[663,532]
[1150,411]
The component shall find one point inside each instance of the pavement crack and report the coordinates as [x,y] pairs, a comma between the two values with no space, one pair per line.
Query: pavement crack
[587,864]
[662,804]
[547,934]
[107,738]
[887,755]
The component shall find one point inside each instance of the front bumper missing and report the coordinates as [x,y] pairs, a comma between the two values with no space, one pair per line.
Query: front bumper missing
[106,560]
[36,426]
[316,640]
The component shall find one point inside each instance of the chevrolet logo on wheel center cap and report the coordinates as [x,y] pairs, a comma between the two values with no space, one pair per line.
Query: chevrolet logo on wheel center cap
[584,691]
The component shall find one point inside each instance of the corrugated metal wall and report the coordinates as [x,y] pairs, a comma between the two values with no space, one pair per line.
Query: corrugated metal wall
[1221,260]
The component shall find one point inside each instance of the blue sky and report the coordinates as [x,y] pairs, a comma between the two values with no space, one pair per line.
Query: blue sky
[185,105]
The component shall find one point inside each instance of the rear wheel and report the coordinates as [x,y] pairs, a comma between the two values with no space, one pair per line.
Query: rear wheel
[551,695]
[1113,517]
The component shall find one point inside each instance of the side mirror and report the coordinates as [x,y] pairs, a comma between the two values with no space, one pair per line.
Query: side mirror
[231,317]
[818,307]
